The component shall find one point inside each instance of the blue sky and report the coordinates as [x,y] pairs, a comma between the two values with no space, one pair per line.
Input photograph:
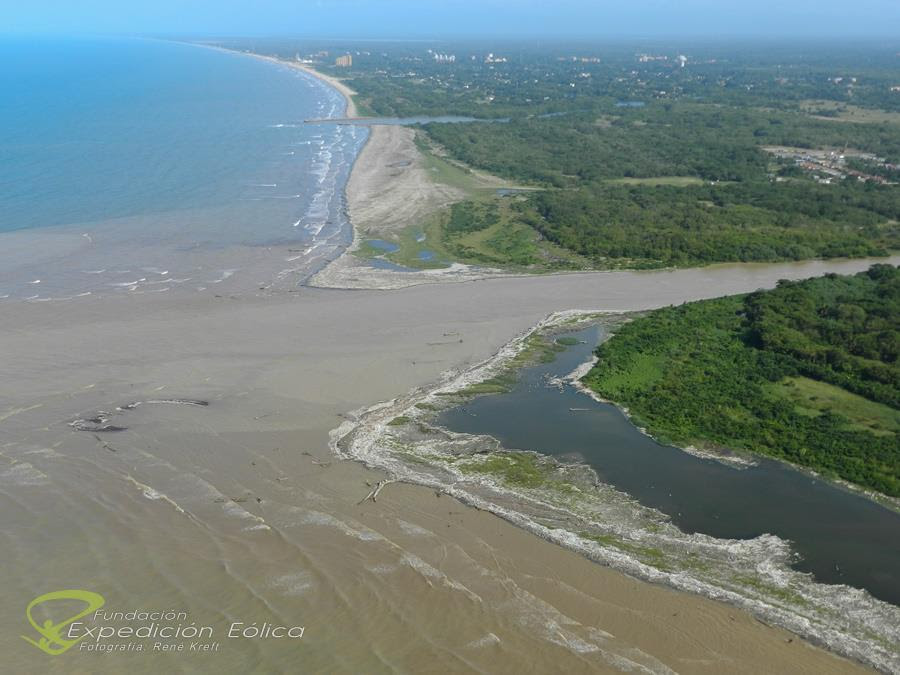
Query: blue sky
[437,18]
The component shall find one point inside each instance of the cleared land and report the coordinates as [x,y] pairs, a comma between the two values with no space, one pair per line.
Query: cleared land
[847,112]
[659,180]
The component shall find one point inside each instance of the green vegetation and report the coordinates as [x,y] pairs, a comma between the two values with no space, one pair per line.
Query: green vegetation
[686,184]
[486,228]
[537,349]
[679,181]
[711,142]
[656,226]
[807,372]
[495,385]
[464,233]
[812,397]
[446,171]
[770,590]
[399,421]
[637,157]
[648,555]
[404,79]
[520,469]
[847,112]
[492,232]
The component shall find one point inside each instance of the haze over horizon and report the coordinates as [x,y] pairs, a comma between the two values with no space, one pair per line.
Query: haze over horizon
[457,18]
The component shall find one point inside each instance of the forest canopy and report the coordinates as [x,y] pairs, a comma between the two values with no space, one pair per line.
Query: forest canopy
[807,372]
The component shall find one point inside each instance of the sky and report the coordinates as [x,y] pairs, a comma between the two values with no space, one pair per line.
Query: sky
[457,18]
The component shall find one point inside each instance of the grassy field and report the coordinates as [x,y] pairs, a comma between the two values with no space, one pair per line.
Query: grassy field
[846,112]
[812,397]
[677,181]
[448,172]
[508,243]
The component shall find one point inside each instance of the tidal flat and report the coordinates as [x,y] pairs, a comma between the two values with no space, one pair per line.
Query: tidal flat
[243,501]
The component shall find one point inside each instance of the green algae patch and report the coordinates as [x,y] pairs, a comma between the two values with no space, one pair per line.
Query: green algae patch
[648,555]
[400,421]
[771,591]
[521,469]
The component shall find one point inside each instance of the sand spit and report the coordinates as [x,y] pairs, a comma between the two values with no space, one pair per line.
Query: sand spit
[391,189]
[606,525]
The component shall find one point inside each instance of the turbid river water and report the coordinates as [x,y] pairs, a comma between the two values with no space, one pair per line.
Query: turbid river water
[840,537]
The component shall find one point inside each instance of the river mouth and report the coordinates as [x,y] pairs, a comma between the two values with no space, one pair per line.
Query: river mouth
[839,537]
[557,494]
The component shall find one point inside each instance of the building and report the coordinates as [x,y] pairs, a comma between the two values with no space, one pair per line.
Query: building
[344,61]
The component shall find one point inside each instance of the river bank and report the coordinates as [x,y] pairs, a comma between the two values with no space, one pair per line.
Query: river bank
[563,501]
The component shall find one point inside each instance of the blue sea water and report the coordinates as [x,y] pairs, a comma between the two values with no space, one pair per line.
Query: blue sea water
[166,146]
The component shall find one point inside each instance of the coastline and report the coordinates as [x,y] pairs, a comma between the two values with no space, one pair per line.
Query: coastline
[389,189]
[350,112]
[243,494]
[253,238]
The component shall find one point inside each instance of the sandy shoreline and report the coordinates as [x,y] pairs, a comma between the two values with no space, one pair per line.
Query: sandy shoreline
[350,112]
[348,94]
[175,498]
[390,189]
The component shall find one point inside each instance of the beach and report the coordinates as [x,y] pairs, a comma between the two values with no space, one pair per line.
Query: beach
[391,189]
[239,509]
[348,94]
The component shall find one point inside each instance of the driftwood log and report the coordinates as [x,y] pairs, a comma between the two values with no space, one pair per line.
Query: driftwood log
[373,493]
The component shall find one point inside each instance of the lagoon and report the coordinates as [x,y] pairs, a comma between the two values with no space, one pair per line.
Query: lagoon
[840,537]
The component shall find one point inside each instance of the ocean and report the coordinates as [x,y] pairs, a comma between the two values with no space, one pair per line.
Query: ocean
[125,162]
